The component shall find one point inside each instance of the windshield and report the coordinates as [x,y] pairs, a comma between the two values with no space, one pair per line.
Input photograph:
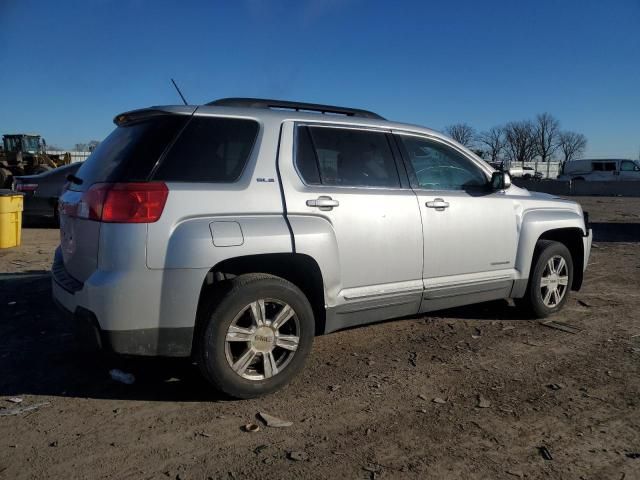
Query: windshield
[30,144]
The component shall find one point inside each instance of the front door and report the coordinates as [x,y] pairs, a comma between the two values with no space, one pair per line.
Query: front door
[629,170]
[470,232]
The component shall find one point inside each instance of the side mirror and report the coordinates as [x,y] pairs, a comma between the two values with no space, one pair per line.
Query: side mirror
[500,181]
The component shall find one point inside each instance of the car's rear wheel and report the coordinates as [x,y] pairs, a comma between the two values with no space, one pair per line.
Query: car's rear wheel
[550,279]
[257,336]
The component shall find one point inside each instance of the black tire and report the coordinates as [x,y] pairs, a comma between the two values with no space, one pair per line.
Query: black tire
[238,294]
[6,178]
[533,302]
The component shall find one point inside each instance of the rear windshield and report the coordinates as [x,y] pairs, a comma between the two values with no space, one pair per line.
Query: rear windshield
[130,152]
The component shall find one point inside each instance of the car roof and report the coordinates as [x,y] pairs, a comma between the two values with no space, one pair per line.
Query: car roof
[599,160]
[267,115]
[280,115]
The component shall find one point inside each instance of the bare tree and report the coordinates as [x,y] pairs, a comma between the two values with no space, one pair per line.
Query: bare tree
[494,141]
[571,145]
[547,129]
[461,133]
[520,141]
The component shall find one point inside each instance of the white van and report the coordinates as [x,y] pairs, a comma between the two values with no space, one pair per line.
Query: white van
[601,170]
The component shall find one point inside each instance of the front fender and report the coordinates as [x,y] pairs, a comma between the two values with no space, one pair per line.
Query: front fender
[537,222]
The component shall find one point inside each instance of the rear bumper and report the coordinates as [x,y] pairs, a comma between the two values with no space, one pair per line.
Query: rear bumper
[86,328]
[105,303]
[148,342]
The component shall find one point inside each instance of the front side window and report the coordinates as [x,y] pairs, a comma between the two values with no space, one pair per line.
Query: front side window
[345,157]
[14,144]
[438,167]
[629,166]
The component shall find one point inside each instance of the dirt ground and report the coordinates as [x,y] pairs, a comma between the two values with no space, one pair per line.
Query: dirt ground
[400,399]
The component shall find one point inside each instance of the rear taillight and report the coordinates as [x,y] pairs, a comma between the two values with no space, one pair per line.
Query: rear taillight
[123,202]
[26,187]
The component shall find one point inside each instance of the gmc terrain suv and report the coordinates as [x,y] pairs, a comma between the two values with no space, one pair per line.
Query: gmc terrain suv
[235,231]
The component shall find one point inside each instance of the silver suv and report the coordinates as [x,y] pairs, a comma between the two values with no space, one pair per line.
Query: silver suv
[236,231]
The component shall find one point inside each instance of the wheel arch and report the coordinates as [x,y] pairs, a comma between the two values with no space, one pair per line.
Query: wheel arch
[301,270]
[572,239]
[564,226]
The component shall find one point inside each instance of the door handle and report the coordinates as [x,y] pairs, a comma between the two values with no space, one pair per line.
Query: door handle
[323,203]
[437,203]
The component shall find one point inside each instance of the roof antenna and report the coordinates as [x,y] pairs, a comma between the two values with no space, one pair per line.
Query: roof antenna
[179,92]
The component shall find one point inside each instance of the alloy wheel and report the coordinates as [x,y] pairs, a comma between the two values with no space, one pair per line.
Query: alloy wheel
[262,339]
[554,282]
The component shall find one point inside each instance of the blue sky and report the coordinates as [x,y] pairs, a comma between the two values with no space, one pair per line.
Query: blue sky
[70,66]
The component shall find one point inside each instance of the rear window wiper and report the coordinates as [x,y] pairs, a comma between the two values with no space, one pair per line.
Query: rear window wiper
[73,179]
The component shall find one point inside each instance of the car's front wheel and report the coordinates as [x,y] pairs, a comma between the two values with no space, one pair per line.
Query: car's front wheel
[257,336]
[550,279]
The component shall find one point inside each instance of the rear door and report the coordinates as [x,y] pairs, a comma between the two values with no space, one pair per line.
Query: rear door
[470,232]
[348,179]
[603,171]
[128,154]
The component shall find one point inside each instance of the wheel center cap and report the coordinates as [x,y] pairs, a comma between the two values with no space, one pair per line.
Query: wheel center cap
[263,339]
[553,280]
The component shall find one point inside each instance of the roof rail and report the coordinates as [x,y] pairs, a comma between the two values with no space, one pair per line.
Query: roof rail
[297,106]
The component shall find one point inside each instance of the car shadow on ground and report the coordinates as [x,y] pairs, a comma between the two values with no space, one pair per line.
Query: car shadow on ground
[39,354]
[493,310]
[39,222]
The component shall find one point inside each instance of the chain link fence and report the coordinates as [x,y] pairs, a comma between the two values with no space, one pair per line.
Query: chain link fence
[75,156]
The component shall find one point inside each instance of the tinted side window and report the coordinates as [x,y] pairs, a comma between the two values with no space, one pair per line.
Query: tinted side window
[629,166]
[604,166]
[130,152]
[210,149]
[306,159]
[350,158]
[438,167]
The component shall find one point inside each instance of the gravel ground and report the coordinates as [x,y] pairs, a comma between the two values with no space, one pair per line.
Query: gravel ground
[474,392]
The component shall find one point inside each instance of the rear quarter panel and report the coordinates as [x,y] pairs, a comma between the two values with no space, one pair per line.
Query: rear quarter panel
[181,243]
[182,238]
